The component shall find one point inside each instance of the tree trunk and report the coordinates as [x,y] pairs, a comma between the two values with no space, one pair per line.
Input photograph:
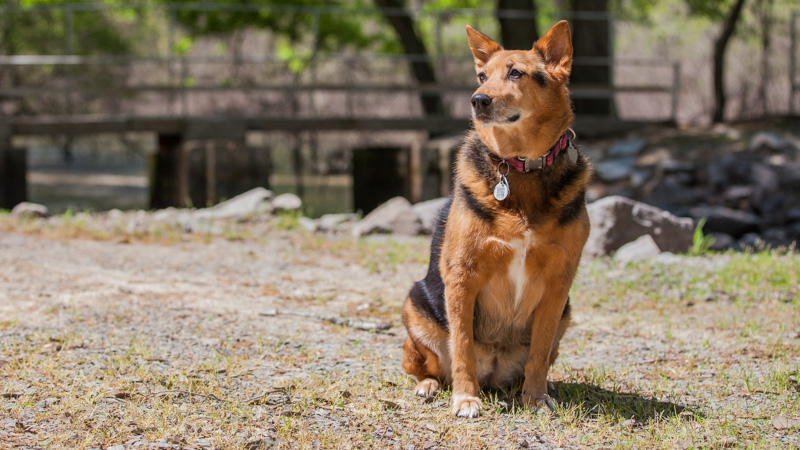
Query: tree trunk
[719,60]
[413,46]
[517,33]
[591,39]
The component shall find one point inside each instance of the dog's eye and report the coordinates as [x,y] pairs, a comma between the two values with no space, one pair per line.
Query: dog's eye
[481,78]
[515,74]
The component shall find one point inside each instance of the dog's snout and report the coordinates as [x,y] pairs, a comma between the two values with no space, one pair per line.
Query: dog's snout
[480,102]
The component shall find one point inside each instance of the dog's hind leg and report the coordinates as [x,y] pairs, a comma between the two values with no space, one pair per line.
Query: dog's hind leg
[418,359]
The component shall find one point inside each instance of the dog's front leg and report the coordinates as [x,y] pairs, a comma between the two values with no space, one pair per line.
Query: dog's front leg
[460,301]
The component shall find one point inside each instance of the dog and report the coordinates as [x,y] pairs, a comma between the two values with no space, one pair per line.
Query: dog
[494,304]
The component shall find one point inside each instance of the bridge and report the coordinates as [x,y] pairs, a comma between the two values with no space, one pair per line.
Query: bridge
[180,96]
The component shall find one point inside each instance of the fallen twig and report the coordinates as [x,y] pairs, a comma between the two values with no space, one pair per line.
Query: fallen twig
[357,324]
[182,392]
[263,397]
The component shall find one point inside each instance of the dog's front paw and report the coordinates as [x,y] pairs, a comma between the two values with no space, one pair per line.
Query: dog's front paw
[427,387]
[537,401]
[466,406]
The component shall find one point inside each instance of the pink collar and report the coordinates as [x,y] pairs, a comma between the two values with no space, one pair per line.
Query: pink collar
[522,164]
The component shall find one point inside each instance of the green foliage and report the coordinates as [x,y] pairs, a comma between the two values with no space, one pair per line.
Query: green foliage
[701,242]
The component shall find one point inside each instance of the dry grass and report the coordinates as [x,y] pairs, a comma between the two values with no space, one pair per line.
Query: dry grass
[702,352]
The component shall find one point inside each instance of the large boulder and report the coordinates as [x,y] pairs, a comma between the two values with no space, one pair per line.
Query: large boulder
[428,212]
[395,216]
[618,220]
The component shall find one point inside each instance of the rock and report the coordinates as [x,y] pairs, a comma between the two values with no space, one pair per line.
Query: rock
[672,195]
[286,202]
[627,149]
[793,215]
[768,141]
[335,222]
[307,224]
[726,220]
[669,259]
[614,169]
[764,177]
[617,220]
[751,240]
[640,176]
[428,212]
[253,202]
[643,248]
[30,210]
[395,216]
[721,242]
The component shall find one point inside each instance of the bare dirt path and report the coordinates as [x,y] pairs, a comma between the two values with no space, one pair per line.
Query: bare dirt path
[119,342]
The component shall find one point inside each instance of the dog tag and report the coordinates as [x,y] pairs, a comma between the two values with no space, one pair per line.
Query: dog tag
[572,153]
[501,190]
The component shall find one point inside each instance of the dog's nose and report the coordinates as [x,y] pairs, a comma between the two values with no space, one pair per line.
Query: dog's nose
[480,102]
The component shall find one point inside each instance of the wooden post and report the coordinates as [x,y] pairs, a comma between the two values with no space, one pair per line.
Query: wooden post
[415,172]
[5,179]
[168,174]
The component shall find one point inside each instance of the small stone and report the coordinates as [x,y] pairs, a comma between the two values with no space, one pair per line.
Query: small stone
[286,202]
[643,248]
[307,224]
[30,210]
[116,447]
[728,441]
[395,216]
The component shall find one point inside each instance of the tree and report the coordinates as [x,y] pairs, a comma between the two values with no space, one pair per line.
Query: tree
[517,31]
[413,46]
[720,45]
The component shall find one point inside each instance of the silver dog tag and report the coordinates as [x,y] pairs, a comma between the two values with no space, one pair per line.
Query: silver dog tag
[502,190]
[572,153]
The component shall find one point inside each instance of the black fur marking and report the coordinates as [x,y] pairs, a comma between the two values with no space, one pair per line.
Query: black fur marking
[539,78]
[572,210]
[477,155]
[477,208]
[567,309]
[568,177]
[427,295]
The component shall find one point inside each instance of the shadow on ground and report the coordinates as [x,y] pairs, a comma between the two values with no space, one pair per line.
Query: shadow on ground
[592,401]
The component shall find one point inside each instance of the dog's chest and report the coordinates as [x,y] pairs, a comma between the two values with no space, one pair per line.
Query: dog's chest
[506,303]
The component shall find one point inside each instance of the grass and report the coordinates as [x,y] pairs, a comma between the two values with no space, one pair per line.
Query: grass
[702,353]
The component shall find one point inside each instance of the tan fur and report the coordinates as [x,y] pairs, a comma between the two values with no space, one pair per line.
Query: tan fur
[520,323]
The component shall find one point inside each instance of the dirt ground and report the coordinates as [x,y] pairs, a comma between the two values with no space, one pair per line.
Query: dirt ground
[202,343]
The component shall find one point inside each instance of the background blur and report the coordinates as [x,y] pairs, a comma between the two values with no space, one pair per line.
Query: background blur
[140,104]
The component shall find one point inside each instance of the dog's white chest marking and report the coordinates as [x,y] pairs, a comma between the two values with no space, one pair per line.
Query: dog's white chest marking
[516,270]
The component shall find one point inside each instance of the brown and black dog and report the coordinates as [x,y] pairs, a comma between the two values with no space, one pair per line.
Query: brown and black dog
[494,304]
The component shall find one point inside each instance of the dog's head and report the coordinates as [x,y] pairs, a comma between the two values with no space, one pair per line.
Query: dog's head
[522,91]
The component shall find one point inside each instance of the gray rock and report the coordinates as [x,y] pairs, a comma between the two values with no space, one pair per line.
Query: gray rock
[764,177]
[307,224]
[669,259]
[614,169]
[641,249]
[721,242]
[617,220]
[335,222]
[751,240]
[627,149]
[428,212]
[395,216]
[286,202]
[253,202]
[30,210]
[640,176]
[793,215]
[721,219]
[768,141]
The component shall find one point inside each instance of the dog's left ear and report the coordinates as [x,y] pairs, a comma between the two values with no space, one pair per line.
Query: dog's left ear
[555,48]
[482,46]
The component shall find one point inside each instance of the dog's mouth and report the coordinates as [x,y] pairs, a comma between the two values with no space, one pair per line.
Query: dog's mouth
[490,120]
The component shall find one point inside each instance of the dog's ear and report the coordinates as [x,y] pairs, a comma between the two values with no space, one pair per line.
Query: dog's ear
[482,46]
[555,48]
